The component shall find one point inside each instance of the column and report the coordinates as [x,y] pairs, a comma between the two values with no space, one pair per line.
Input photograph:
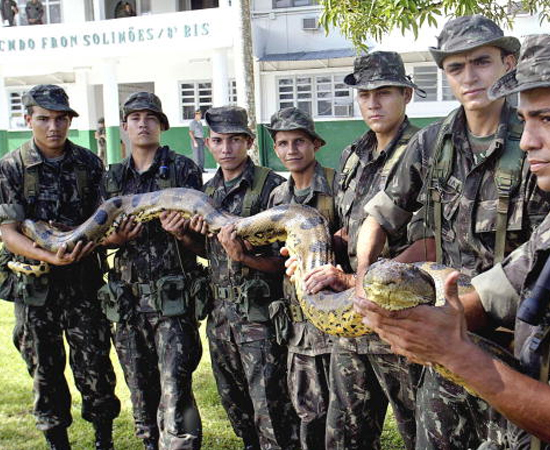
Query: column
[4,116]
[220,79]
[99,9]
[81,99]
[111,111]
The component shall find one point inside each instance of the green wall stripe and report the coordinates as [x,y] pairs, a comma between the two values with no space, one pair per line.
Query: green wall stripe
[3,142]
[112,137]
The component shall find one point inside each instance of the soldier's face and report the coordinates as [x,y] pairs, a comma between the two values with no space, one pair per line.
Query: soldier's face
[229,150]
[534,110]
[49,128]
[296,150]
[471,74]
[143,128]
[383,109]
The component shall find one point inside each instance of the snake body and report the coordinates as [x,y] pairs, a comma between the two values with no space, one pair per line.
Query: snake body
[305,232]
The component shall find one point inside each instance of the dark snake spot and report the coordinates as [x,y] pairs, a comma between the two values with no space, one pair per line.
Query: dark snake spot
[117,201]
[101,217]
[311,223]
[136,199]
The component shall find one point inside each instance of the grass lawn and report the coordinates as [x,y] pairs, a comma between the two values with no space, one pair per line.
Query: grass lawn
[17,431]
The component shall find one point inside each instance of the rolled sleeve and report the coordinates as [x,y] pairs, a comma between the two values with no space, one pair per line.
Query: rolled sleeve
[388,215]
[11,213]
[498,296]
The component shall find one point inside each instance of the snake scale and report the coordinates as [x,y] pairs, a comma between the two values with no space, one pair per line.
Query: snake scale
[305,232]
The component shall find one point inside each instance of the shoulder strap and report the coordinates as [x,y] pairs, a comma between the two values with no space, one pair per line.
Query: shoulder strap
[113,180]
[508,177]
[166,177]
[325,202]
[399,149]
[30,175]
[439,174]
[209,190]
[253,192]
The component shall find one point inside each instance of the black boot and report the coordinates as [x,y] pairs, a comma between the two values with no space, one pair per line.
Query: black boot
[151,444]
[104,435]
[57,439]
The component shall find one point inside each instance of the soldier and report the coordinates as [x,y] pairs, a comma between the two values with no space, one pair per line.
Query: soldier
[50,178]
[296,142]
[248,364]
[438,335]
[148,295]
[470,177]
[358,405]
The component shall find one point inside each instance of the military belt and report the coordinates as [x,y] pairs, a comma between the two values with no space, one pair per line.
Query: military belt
[229,293]
[296,313]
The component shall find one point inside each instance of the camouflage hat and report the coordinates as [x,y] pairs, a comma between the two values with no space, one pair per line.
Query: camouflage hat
[49,96]
[144,101]
[532,71]
[228,120]
[379,69]
[291,118]
[468,33]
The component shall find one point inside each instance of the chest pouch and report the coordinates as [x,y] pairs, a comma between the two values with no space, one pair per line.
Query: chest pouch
[255,296]
[172,296]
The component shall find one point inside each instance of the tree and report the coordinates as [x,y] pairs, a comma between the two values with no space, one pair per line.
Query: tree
[362,19]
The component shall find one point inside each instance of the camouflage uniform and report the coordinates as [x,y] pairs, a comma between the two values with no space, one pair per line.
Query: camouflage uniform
[469,199]
[359,367]
[502,288]
[248,364]
[70,305]
[158,352]
[308,348]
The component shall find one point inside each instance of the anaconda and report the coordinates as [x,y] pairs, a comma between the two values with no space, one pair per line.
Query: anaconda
[306,235]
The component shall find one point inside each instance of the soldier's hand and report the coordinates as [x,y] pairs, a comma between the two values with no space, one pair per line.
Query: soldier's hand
[291,263]
[232,244]
[174,223]
[126,230]
[199,225]
[64,257]
[328,276]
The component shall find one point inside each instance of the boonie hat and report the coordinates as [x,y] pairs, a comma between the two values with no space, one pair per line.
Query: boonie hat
[228,120]
[532,71]
[49,96]
[468,33]
[379,69]
[291,118]
[144,101]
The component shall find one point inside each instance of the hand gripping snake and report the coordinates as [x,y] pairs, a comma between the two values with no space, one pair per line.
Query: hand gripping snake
[305,232]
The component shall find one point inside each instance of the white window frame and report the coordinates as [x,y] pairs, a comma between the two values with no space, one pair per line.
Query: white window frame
[197,102]
[47,13]
[12,114]
[314,92]
[292,4]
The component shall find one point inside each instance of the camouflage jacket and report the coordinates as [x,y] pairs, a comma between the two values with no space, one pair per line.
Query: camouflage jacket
[304,337]
[469,199]
[153,254]
[358,183]
[57,197]
[501,290]
[227,317]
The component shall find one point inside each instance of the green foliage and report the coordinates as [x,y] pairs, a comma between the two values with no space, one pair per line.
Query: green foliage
[17,429]
[361,20]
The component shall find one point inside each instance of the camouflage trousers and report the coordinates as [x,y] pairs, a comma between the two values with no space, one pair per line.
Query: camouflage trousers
[309,392]
[399,380]
[357,404]
[251,381]
[448,418]
[38,336]
[158,356]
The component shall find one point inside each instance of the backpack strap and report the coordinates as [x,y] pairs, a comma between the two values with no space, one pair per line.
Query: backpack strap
[508,177]
[30,175]
[166,176]
[253,192]
[113,180]
[325,202]
[438,176]
[399,149]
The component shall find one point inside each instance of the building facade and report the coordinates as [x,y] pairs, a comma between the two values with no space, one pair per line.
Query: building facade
[185,52]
